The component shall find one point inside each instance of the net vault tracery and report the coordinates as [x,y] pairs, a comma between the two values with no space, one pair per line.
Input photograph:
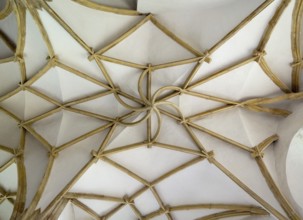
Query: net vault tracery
[147,108]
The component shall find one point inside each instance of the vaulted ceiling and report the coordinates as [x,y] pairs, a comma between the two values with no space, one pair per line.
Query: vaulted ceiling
[147,109]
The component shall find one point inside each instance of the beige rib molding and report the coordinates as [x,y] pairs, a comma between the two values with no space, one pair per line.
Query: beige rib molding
[146,105]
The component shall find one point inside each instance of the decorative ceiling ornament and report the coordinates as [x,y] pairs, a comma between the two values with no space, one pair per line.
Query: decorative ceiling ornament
[108,113]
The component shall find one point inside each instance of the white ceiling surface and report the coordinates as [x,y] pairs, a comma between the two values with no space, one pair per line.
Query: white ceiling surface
[10,27]
[201,29]
[35,59]
[9,131]
[294,162]
[179,5]
[281,64]
[5,51]
[199,25]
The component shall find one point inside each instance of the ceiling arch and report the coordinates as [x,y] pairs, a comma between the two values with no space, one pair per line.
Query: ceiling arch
[137,114]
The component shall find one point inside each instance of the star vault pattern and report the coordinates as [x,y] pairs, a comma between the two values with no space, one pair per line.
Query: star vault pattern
[111,109]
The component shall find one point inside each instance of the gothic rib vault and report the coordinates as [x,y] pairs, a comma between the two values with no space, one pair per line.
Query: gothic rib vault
[140,110]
